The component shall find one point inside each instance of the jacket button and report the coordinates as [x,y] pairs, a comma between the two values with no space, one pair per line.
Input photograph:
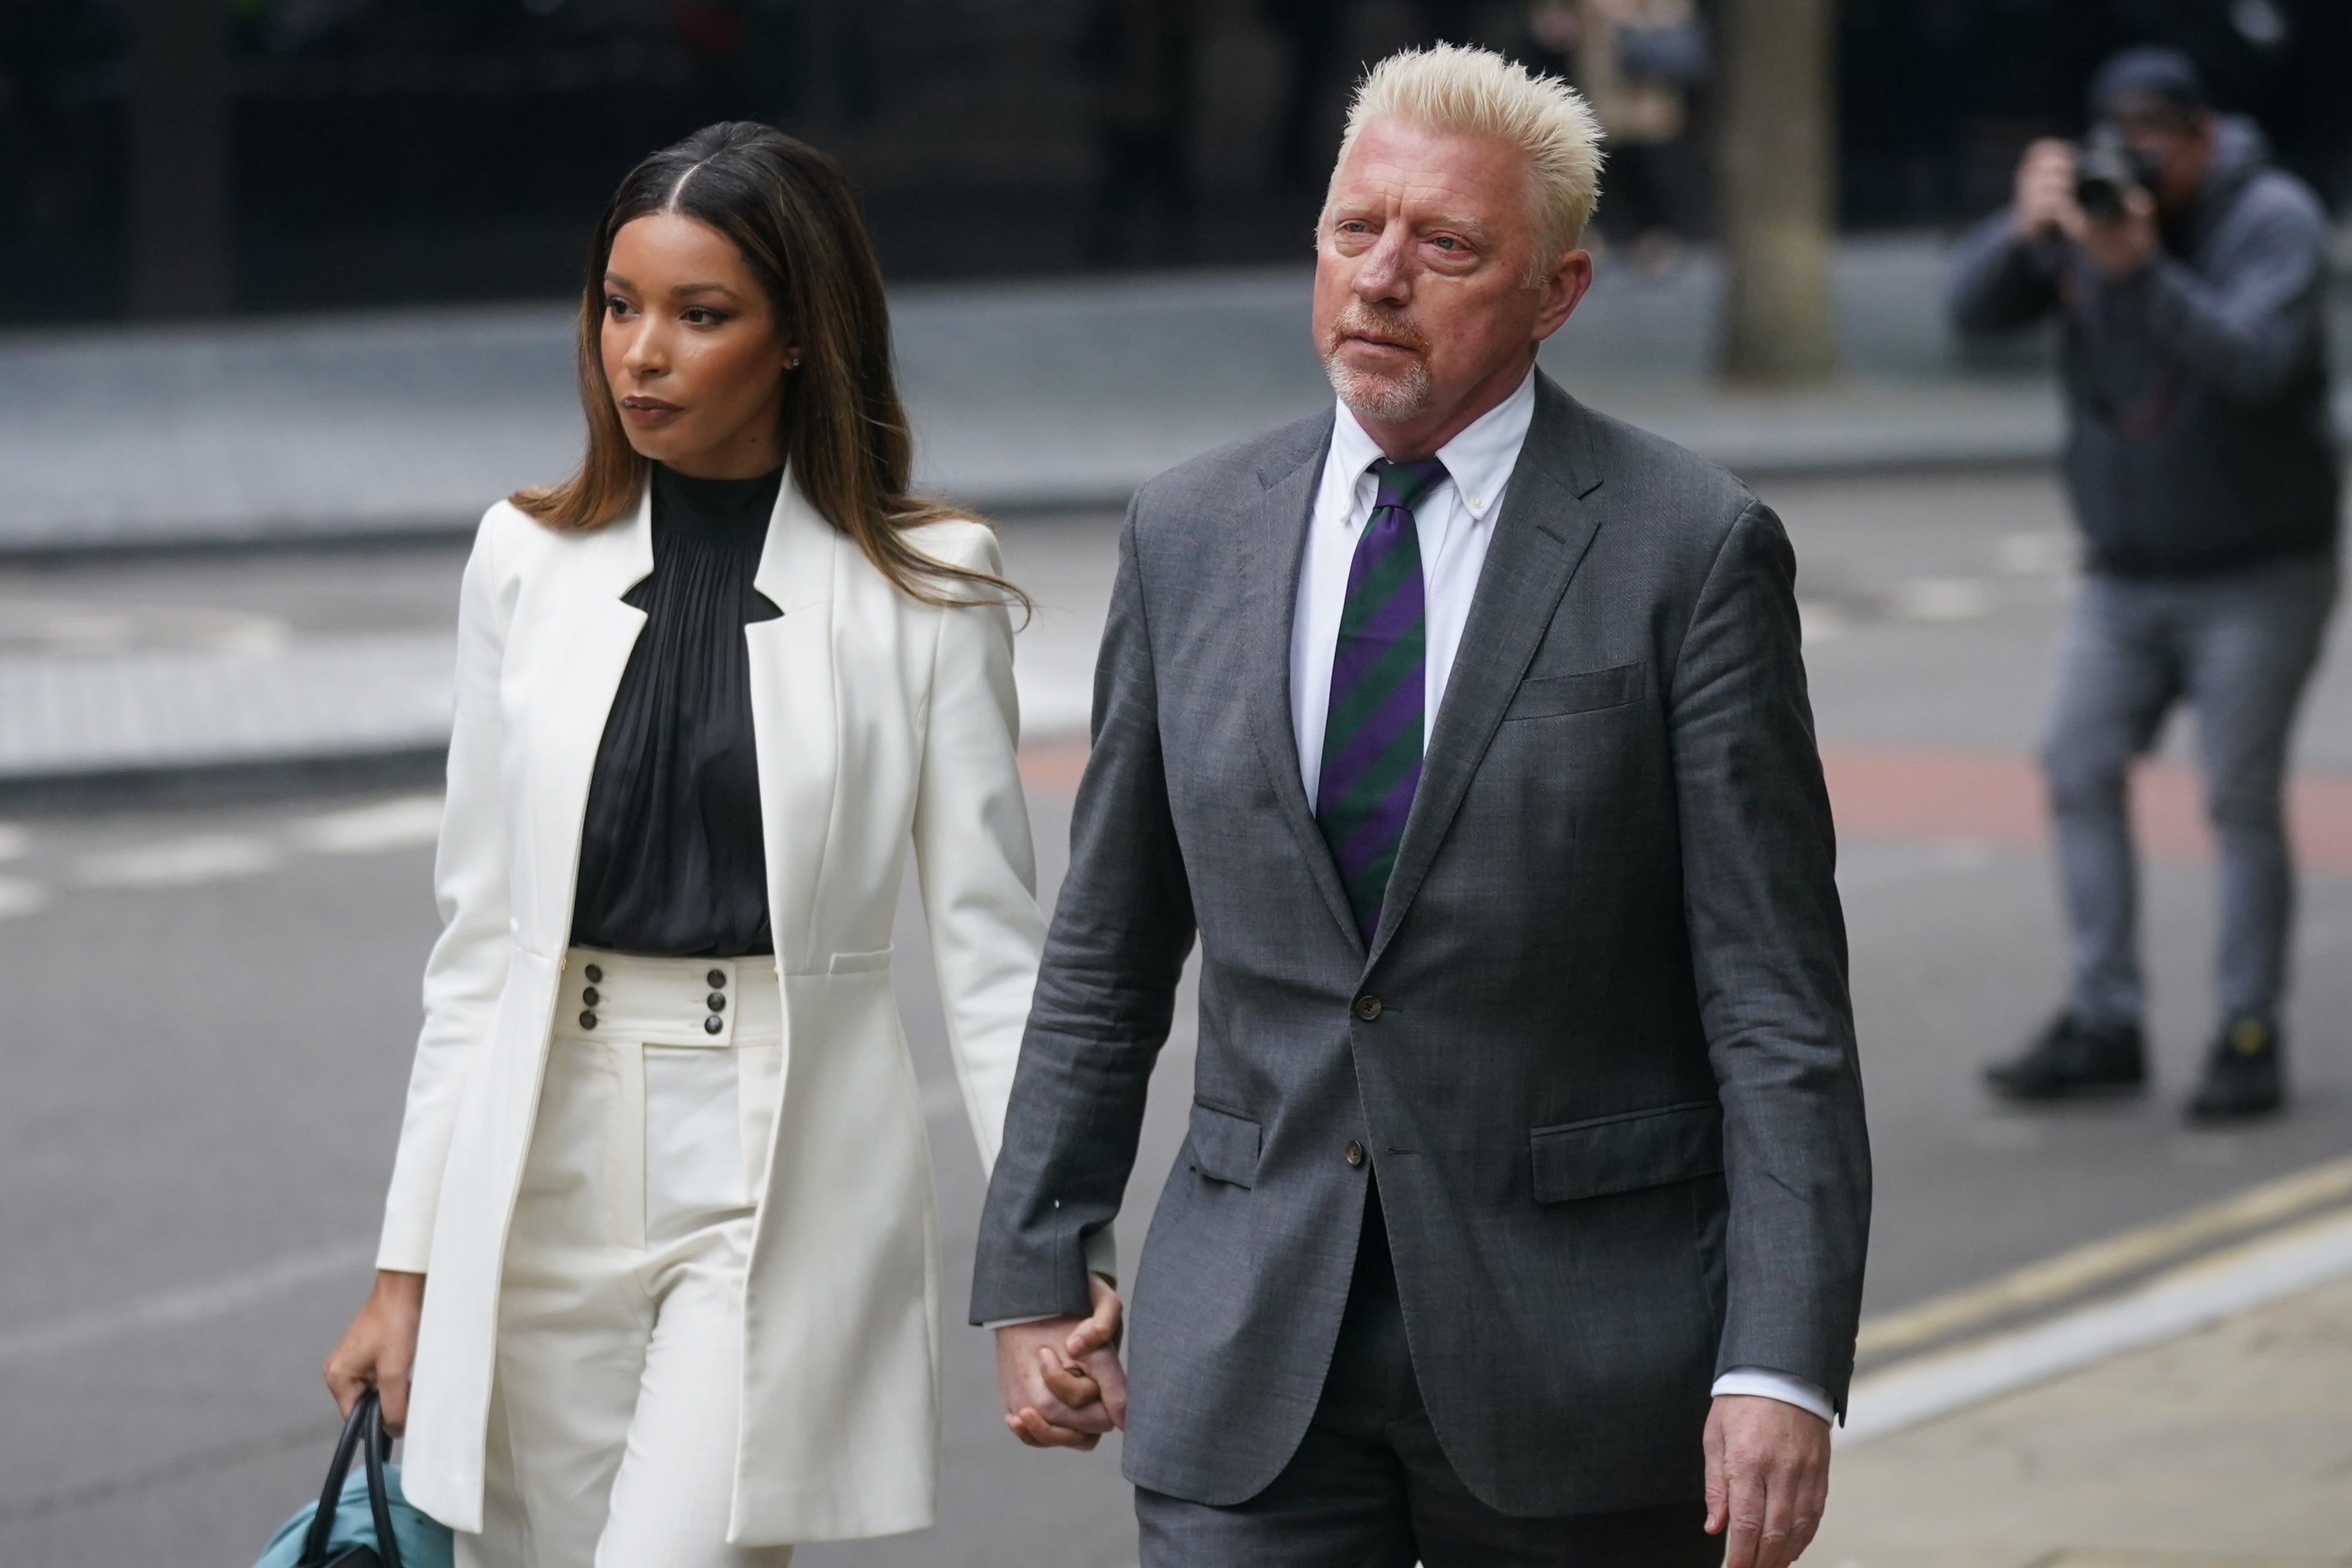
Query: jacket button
[1355,1153]
[718,978]
[590,996]
[1367,1008]
[715,1002]
[594,974]
[587,1020]
[712,1025]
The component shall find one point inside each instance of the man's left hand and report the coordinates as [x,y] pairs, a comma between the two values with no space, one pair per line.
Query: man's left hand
[1768,1478]
[1061,1379]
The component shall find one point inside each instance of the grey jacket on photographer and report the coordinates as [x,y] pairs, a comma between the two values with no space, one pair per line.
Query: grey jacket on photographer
[2198,434]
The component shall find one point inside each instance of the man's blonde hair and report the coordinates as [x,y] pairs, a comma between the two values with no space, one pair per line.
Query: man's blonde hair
[1456,89]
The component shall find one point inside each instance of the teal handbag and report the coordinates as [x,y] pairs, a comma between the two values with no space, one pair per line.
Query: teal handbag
[361,1521]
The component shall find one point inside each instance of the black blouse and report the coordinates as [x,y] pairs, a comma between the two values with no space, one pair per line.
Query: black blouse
[672,862]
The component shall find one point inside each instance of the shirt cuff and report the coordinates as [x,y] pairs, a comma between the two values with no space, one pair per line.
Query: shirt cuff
[1779,1386]
[1016,1322]
[1102,1257]
[1102,1253]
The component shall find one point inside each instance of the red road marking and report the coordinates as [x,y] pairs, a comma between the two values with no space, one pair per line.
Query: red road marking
[1992,798]
[1054,767]
[1989,797]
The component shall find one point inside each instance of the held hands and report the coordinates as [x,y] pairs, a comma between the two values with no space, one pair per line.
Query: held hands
[2044,205]
[1768,1479]
[378,1347]
[1062,1382]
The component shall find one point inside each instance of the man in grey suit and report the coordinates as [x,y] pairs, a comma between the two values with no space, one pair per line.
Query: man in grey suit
[1523,1212]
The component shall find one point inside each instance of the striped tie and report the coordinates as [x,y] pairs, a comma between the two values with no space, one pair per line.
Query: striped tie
[1372,738]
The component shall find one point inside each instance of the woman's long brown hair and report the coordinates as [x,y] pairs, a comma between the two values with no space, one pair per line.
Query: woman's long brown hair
[789,210]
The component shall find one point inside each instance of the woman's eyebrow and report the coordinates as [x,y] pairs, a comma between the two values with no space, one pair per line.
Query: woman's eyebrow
[683,290]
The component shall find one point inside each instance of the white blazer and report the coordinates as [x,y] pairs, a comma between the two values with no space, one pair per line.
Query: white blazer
[879,721]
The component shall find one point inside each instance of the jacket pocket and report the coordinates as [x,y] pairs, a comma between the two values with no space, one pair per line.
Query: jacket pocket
[1548,696]
[859,963]
[1625,1152]
[1224,1146]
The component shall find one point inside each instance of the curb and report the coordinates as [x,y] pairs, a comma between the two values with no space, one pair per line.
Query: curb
[2279,1263]
[240,782]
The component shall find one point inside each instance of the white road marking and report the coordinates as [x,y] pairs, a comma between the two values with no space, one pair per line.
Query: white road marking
[2040,554]
[188,1304]
[2110,1259]
[18,897]
[1818,622]
[1940,599]
[400,823]
[1873,865]
[2189,1298]
[178,862]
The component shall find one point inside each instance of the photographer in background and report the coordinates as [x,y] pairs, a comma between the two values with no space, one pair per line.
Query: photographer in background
[2190,281]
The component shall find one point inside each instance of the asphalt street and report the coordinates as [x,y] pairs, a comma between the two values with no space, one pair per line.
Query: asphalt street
[210,1004]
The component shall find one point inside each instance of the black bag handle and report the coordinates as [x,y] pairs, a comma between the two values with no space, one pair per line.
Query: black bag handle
[362,1430]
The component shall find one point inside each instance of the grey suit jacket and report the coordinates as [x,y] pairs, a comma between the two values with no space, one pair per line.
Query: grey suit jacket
[1600,1050]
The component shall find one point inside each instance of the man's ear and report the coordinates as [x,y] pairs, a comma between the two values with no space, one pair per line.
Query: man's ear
[1564,287]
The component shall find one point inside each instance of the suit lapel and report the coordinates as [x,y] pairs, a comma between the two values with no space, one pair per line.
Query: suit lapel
[794,714]
[1540,540]
[1272,552]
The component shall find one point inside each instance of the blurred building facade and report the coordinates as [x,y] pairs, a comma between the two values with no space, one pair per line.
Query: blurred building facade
[186,156]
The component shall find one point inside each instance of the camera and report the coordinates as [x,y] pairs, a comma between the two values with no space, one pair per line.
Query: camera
[2105,169]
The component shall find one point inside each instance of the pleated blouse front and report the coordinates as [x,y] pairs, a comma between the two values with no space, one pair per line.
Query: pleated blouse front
[672,860]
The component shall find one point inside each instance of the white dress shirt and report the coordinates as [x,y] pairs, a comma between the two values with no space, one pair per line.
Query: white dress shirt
[1455,521]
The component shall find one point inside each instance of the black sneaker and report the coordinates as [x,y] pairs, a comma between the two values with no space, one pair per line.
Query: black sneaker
[2244,1074]
[2067,1060]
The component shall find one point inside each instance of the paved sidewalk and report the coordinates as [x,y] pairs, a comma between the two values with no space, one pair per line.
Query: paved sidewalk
[1062,392]
[2179,1392]
[116,688]
[2228,1447]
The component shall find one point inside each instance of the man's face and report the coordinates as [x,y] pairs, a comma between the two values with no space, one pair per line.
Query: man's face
[1423,256]
[2176,144]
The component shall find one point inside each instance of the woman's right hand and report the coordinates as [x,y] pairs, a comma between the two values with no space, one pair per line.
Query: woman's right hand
[378,1347]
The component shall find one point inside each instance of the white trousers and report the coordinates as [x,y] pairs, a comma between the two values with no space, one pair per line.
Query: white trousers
[616,1407]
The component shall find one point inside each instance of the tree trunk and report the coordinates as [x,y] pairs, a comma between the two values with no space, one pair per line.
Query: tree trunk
[1778,180]
[179,147]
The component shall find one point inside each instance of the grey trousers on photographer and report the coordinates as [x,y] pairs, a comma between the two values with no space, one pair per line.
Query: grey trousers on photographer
[2237,648]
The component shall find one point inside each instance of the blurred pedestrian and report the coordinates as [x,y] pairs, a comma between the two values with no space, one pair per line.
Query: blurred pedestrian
[1636,62]
[664,1165]
[1139,56]
[2189,279]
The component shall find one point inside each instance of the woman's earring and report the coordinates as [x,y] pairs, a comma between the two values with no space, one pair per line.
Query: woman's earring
[794,363]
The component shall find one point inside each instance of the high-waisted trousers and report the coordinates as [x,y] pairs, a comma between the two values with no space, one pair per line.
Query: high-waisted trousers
[616,1404]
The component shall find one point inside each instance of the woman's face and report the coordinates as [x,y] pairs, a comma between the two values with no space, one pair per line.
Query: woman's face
[691,350]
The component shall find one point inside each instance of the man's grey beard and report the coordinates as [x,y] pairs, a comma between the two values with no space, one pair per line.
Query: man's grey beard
[1388,398]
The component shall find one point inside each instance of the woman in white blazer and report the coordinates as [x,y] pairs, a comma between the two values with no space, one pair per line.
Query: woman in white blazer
[657,1279]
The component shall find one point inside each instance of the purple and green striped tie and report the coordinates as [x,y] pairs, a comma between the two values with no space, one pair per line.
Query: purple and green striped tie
[1372,736]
